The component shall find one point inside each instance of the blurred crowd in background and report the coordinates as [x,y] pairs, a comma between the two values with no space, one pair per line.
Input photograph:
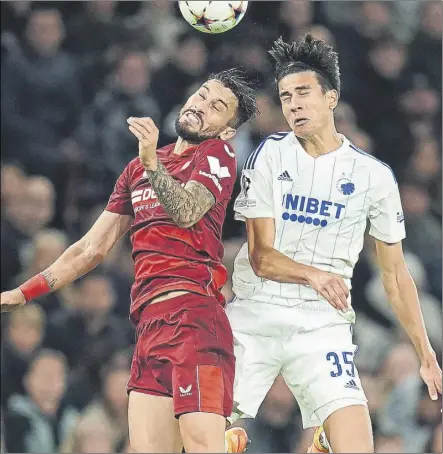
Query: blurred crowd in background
[71,73]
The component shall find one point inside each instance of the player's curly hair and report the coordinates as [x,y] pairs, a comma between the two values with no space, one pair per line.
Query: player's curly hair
[307,54]
[237,81]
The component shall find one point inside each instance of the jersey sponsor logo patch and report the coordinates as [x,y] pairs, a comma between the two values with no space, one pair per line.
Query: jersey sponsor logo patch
[145,195]
[285,176]
[216,169]
[345,186]
[142,195]
[400,217]
[300,209]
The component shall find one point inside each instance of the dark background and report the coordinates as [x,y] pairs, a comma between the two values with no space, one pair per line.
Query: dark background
[71,73]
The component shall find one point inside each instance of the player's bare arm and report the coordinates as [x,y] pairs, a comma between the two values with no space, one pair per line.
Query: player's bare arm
[269,263]
[80,258]
[402,295]
[187,205]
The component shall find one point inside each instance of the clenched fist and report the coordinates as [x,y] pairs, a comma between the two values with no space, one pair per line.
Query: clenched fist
[147,134]
[331,287]
[11,300]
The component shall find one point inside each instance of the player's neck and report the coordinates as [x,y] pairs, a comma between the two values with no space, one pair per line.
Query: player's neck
[181,145]
[322,143]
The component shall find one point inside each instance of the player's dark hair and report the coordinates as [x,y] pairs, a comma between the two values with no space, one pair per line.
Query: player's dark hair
[307,54]
[236,80]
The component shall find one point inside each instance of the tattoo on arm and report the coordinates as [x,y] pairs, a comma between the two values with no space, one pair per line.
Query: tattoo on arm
[187,205]
[50,279]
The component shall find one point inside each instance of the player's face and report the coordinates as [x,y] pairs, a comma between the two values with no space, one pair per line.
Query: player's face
[207,113]
[306,108]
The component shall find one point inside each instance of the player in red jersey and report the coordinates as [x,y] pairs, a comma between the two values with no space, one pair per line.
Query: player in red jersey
[173,201]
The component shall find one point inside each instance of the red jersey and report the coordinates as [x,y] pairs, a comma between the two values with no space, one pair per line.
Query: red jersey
[168,257]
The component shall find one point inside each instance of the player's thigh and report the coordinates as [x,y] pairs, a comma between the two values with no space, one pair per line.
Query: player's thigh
[152,424]
[259,331]
[258,363]
[320,371]
[349,429]
[204,364]
[203,432]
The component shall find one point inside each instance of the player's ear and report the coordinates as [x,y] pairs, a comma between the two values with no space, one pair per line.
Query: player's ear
[228,133]
[332,97]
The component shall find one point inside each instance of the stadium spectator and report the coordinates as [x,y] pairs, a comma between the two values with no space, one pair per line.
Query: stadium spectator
[296,18]
[14,16]
[384,76]
[27,210]
[95,36]
[23,335]
[107,413]
[38,421]
[102,142]
[426,47]
[40,96]
[424,232]
[12,181]
[186,66]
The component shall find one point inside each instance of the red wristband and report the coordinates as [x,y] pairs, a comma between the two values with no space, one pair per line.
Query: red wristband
[35,287]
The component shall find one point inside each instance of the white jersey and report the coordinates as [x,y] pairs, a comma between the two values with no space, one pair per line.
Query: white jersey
[320,207]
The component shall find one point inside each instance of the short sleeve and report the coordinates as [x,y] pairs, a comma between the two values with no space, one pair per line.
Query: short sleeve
[256,198]
[215,168]
[386,213]
[120,200]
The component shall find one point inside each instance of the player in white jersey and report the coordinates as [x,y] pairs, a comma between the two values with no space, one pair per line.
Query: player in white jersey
[306,197]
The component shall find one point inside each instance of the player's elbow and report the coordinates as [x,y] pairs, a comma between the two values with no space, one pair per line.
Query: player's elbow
[259,262]
[93,254]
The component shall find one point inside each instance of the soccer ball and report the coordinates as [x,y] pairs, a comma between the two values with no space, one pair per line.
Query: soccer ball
[213,17]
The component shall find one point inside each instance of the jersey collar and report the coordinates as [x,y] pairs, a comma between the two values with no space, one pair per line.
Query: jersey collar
[344,146]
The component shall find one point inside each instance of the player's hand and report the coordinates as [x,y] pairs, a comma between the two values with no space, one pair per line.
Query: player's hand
[431,374]
[147,134]
[11,300]
[331,287]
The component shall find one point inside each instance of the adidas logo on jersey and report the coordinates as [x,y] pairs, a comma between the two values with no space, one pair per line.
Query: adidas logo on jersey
[352,385]
[285,176]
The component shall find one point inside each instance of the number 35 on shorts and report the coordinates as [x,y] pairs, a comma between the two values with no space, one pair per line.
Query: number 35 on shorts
[341,361]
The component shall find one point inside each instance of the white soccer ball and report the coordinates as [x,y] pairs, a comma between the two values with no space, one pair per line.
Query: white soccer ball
[213,17]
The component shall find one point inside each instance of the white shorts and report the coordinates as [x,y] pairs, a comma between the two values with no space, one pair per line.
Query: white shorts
[310,345]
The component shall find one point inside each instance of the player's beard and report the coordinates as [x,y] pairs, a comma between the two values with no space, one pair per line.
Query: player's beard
[191,136]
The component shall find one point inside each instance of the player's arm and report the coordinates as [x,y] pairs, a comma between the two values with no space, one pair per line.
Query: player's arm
[402,294]
[186,205]
[269,263]
[77,260]
[387,227]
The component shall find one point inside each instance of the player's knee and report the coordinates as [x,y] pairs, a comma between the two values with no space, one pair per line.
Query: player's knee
[348,429]
[203,432]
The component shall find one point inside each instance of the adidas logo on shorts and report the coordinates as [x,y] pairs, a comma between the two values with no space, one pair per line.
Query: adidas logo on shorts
[185,391]
[285,176]
[352,385]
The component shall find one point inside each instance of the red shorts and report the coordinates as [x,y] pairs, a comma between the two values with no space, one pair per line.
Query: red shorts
[185,350]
